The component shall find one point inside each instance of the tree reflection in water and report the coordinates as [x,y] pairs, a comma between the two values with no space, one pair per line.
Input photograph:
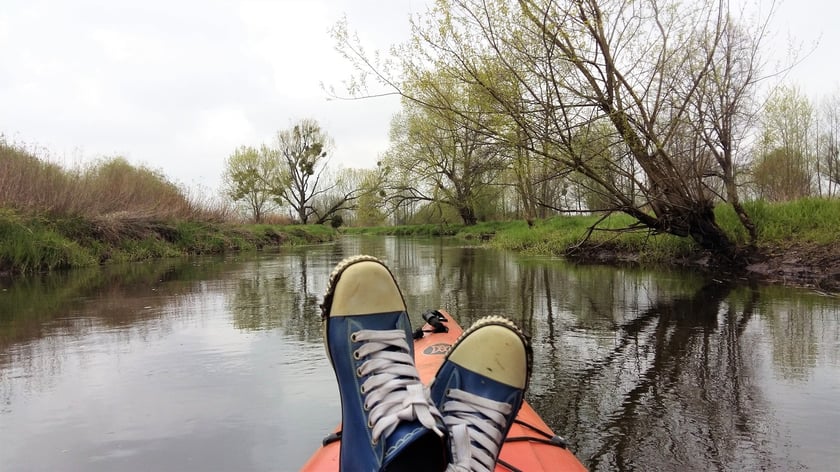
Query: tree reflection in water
[640,370]
[672,390]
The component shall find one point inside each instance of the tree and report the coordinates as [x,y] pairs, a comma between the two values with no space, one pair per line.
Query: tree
[830,143]
[783,170]
[293,174]
[440,157]
[780,177]
[247,177]
[348,187]
[301,160]
[650,72]
[725,108]
[368,208]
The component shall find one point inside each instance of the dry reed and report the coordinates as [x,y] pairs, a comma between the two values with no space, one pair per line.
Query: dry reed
[108,191]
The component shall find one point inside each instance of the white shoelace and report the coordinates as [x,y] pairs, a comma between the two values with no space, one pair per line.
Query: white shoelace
[475,427]
[393,393]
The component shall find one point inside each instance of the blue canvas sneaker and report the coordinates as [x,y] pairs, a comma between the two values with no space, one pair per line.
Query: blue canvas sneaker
[479,388]
[388,420]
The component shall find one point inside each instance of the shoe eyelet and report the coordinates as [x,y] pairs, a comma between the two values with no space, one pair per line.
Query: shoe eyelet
[356,355]
[362,389]
[353,337]
[370,425]
[366,406]
[359,372]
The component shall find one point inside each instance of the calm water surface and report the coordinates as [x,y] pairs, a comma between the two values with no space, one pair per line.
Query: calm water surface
[217,363]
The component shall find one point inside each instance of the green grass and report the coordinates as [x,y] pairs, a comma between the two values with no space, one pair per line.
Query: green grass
[807,222]
[36,244]
[31,246]
[425,230]
[557,236]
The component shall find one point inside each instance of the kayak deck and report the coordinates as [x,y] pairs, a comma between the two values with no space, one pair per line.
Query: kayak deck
[529,446]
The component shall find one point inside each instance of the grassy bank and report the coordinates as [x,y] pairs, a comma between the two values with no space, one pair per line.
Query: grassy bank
[52,217]
[807,222]
[37,243]
[413,230]
[803,223]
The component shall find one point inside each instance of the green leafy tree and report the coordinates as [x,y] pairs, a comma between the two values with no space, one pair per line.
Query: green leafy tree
[440,156]
[369,208]
[247,177]
[294,174]
[785,169]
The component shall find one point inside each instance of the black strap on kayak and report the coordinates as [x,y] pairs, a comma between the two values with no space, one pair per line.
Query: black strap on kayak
[547,438]
[508,466]
[435,319]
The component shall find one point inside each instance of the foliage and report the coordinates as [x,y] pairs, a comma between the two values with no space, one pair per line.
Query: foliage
[780,175]
[336,221]
[806,221]
[803,222]
[435,155]
[783,169]
[248,172]
[369,206]
[293,174]
[31,246]
[422,230]
[665,85]
[351,188]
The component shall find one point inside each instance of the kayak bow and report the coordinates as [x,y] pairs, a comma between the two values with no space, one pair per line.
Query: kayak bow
[530,444]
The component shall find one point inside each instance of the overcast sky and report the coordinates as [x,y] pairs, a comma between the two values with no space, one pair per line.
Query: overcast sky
[177,85]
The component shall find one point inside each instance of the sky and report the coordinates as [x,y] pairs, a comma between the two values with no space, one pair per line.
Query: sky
[179,85]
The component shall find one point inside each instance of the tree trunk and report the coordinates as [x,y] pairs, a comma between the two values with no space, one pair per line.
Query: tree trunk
[705,231]
[735,201]
[468,215]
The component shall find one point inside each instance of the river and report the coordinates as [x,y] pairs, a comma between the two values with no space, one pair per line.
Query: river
[217,363]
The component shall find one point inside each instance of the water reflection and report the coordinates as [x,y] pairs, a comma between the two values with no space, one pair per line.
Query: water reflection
[217,362]
[677,370]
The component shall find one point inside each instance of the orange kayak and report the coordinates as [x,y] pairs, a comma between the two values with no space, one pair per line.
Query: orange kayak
[530,445]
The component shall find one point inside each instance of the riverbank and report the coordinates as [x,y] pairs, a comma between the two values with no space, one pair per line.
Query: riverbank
[37,243]
[798,242]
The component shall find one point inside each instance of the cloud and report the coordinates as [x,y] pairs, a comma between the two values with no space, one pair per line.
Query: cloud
[179,85]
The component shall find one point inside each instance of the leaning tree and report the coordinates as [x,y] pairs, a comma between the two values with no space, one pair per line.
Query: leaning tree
[666,84]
